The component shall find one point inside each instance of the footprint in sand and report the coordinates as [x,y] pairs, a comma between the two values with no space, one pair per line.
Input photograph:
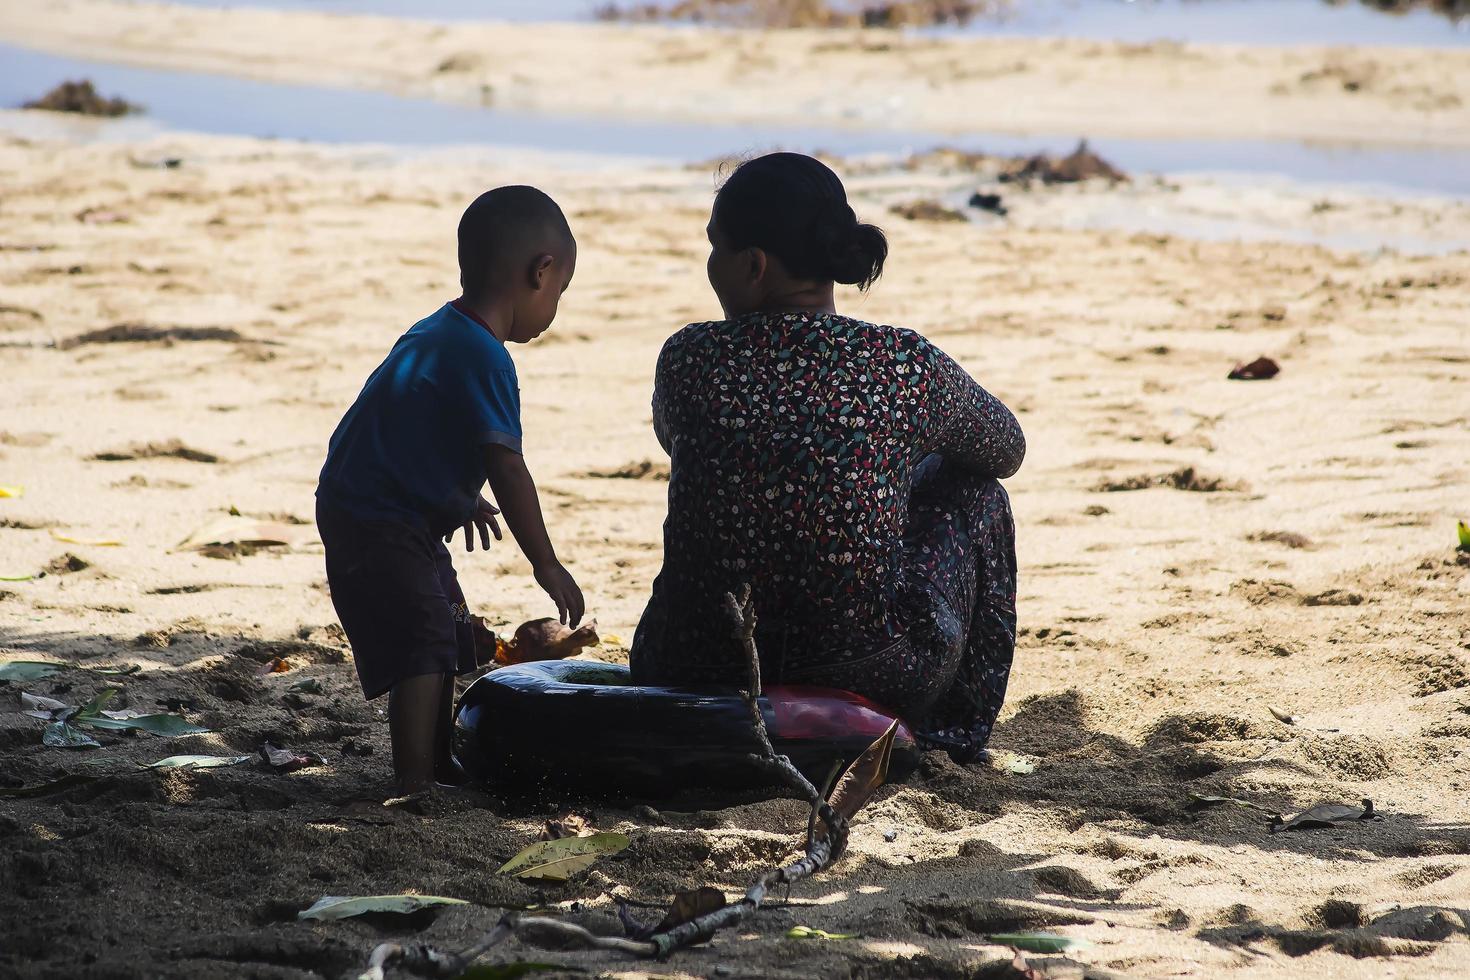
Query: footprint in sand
[1187,478]
[645,469]
[138,333]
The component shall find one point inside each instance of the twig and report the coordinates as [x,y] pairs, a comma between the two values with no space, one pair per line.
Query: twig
[742,610]
[811,820]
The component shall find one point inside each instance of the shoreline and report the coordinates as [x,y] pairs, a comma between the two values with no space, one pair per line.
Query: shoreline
[849,79]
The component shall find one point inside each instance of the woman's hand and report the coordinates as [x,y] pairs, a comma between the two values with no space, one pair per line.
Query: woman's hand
[562,588]
[484,519]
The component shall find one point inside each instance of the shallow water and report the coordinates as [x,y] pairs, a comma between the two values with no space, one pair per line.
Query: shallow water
[1230,21]
[221,104]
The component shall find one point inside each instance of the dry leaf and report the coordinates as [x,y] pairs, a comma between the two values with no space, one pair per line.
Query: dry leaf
[1036,942]
[196,762]
[558,860]
[1200,800]
[807,932]
[1324,815]
[545,639]
[242,531]
[275,665]
[689,906]
[284,760]
[567,825]
[334,907]
[1011,762]
[862,779]
[34,704]
[94,542]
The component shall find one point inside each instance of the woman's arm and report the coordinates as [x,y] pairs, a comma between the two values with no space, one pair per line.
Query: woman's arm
[970,425]
[665,388]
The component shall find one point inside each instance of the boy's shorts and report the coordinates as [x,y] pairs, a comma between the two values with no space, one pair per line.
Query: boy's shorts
[397,597]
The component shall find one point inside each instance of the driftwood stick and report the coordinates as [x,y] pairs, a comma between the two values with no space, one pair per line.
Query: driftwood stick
[420,959]
[536,931]
[821,850]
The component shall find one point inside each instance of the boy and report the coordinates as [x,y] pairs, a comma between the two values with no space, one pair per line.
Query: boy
[439,417]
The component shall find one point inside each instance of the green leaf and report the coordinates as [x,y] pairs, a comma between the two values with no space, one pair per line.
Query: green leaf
[196,762]
[510,971]
[26,670]
[66,782]
[1036,942]
[558,860]
[807,932]
[340,907]
[16,578]
[1463,530]
[60,735]
[94,707]
[165,725]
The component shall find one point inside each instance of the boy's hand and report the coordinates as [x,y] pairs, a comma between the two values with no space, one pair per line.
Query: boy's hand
[484,519]
[562,588]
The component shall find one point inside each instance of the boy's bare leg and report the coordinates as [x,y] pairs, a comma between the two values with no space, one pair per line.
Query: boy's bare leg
[445,769]
[415,718]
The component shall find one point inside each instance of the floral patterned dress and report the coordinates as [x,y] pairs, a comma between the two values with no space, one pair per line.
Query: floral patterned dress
[848,473]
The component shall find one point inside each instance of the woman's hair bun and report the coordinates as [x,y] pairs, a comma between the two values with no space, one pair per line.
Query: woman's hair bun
[795,208]
[857,257]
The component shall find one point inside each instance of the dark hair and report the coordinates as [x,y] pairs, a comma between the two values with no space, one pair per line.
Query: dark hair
[500,226]
[794,207]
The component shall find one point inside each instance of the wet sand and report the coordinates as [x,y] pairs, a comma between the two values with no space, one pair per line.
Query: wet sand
[1194,552]
[955,85]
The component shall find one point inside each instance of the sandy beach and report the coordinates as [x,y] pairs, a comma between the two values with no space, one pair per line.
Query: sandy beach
[1194,551]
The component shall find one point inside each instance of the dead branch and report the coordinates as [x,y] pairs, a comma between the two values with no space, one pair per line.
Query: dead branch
[742,611]
[821,850]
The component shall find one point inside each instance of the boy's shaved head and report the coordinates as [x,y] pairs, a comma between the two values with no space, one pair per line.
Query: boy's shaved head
[504,229]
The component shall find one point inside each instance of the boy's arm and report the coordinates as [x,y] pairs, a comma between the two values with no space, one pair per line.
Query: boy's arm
[516,493]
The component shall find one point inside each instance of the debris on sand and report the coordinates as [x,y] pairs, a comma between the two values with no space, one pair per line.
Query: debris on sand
[1324,815]
[81,97]
[546,639]
[926,210]
[807,13]
[67,564]
[172,448]
[1182,479]
[988,202]
[950,158]
[645,469]
[1079,165]
[1261,369]
[141,333]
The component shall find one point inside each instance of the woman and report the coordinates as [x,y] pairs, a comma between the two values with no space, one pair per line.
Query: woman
[845,471]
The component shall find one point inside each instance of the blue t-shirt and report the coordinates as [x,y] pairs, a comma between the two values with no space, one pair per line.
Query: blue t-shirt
[409,448]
